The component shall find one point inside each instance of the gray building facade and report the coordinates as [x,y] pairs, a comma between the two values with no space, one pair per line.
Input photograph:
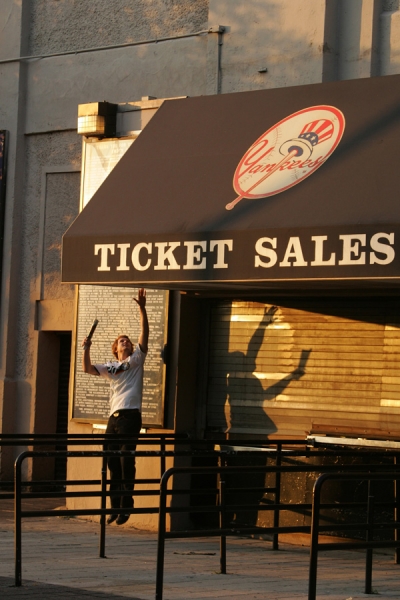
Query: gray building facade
[58,54]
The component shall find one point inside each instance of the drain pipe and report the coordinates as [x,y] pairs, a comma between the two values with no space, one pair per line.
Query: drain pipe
[219,30]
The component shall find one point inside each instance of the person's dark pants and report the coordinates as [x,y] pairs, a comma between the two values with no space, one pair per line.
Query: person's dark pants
[127,424]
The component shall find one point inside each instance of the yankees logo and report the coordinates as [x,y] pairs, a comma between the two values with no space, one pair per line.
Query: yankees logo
[288,152]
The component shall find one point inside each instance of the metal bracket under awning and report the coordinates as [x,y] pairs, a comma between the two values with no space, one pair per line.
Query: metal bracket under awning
[359,442]
[235,449]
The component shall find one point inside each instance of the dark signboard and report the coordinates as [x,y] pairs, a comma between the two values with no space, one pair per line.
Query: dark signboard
[357,252]
[290,183]
[117,314]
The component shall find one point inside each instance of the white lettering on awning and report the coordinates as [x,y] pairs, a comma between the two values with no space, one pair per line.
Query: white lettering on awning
[314,251]
[104,249]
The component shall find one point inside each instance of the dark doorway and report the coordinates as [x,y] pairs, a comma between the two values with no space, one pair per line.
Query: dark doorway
[60,467]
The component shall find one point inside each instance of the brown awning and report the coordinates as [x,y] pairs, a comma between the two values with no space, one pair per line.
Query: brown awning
[328,211]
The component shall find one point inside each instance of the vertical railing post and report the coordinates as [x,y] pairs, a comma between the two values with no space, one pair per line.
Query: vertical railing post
[222,521]
[102,547]
[369,538]
[316,505]
[275,538]
[162,456]
[17,520]
[396,515]
[161,535]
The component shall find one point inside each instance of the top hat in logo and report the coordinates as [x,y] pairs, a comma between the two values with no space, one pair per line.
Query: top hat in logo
[288,152]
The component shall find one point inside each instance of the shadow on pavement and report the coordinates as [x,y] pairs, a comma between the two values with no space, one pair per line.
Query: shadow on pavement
[42,591]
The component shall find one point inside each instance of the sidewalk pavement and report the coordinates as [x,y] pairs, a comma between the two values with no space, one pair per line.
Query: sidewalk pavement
[60,559]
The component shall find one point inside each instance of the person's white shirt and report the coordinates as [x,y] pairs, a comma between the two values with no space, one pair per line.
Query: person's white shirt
[126,381]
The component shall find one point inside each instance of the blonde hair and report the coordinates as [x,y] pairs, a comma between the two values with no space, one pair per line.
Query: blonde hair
[114,345]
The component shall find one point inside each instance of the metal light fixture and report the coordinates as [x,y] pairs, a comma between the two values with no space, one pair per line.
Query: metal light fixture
[97,119]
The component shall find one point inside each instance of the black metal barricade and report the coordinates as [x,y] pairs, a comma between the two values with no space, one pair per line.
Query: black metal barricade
[161,440]
[56,440]
[277,451]
[223,531]
[370,527]
[164,440]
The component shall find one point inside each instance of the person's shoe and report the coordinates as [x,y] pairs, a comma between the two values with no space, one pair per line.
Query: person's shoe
[121,519]
[111,519]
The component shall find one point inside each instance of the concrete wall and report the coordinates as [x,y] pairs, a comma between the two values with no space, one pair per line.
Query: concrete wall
[13,41]
[286,38]
[118,75]
[389,38]
[266,44]
[38,105]
[59,25]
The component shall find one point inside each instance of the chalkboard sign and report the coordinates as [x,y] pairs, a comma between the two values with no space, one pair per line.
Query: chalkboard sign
[118,314]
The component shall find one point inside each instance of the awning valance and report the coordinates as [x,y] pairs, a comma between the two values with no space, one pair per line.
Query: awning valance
[250,189]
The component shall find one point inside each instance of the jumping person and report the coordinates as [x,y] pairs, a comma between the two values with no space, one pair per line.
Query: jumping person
[126,386]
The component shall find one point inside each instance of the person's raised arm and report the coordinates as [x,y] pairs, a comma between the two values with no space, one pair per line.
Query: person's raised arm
[144,323]
[86,360]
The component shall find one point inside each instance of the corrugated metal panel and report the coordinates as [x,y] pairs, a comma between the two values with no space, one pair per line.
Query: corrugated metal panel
[314,364]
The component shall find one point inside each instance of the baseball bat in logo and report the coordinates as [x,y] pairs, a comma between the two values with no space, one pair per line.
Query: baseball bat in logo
[288,152]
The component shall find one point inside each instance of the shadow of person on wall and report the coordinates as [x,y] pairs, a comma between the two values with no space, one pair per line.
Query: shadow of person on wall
[242,382]
[246,415]
[244,387]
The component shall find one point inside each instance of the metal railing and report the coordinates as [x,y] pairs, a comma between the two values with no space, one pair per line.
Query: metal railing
[224,529]
[204,449]
[369,526]
[65,440]
[170,446]
[40,489]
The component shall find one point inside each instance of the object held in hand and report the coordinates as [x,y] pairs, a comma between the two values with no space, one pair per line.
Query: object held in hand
[91,332]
